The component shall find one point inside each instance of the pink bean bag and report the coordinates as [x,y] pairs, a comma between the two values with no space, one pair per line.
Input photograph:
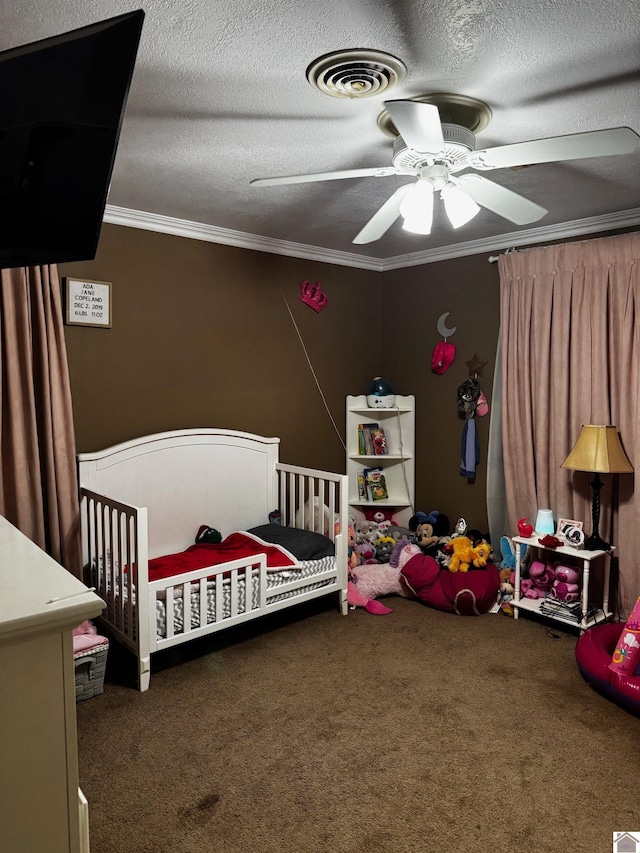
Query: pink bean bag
[594,655]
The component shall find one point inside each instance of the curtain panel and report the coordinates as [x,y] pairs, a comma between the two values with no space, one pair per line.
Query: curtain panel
[570,328]
[38,479]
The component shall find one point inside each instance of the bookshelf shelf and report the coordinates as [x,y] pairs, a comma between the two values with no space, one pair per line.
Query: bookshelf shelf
[397,465]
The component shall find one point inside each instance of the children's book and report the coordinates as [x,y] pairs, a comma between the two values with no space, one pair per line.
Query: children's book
[362,487]
[365,441]
[376,484]
[379,441]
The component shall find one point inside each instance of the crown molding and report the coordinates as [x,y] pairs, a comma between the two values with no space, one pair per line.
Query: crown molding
[240,239]
[228,237]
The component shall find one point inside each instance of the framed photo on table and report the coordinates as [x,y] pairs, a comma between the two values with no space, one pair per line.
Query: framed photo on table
[87,302]
[571,531]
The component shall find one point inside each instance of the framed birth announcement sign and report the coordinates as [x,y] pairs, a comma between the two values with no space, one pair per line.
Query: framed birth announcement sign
[88,303]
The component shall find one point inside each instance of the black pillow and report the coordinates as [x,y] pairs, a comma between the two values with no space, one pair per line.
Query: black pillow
[303,544]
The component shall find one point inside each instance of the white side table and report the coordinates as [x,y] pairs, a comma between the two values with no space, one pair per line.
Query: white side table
[587,557]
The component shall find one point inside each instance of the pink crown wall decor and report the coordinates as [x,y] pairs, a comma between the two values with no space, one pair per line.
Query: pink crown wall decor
[312,295]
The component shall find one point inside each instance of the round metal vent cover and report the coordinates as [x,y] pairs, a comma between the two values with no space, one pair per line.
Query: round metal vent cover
[357,73]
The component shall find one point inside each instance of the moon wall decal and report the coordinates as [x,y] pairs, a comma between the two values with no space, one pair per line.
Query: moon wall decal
[443,329]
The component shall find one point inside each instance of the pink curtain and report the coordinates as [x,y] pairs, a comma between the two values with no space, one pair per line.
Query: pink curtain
[570,325]
[38,481]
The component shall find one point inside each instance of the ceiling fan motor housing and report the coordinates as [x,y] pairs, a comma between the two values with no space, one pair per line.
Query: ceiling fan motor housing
[458,142]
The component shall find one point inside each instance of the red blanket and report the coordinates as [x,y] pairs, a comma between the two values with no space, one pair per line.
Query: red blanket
[236,546]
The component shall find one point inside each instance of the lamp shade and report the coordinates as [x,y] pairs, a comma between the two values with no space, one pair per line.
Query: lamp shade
[417,208]
[598,450]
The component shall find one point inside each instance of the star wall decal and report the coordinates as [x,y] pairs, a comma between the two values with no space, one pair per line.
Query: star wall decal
[475,365]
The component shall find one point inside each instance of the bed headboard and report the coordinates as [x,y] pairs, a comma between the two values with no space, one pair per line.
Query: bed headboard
[222,478]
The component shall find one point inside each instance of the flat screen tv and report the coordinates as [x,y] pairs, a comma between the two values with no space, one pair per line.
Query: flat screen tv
[62,102]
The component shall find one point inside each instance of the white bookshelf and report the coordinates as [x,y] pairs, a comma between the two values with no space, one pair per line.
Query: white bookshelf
[398,464]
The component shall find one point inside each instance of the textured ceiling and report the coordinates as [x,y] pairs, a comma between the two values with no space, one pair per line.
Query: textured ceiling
[220,96]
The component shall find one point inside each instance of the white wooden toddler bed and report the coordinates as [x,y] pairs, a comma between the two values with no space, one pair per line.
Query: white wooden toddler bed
[142,504]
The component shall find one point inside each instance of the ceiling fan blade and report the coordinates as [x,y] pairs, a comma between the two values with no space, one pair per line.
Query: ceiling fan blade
[380,172]
[418,124]
[574,146]
[381,221]
[500,200]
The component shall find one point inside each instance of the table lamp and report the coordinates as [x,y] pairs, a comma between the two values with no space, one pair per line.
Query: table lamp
[597,451]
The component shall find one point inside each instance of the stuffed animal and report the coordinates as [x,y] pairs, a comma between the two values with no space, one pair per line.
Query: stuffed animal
[428,530]
[369,582]
[566,586]
[483,554]
[397,532]
[507,580]
[366,552]
[540,580]
[368,529]
[384,547]
[462,554]
[352,541]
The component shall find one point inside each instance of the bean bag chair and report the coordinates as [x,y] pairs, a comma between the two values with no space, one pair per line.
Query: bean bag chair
[465,593]
[597,651]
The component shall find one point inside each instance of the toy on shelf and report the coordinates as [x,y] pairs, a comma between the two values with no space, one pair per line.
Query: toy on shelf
[525,529]
[540,580]
[550,541]
[566,586]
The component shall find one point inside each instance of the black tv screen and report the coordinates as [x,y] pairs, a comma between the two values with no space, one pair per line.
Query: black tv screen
[62,102]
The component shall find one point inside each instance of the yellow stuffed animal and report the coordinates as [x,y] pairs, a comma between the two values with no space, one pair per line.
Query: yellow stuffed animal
[483,552]
[464,555]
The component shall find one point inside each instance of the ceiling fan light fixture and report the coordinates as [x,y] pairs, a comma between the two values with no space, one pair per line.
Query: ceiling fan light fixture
[460,207]
[416,208]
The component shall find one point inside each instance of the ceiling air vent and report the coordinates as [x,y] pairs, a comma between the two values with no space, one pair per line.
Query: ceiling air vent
[356,73]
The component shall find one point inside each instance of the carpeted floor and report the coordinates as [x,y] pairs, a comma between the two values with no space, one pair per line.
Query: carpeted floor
[417,731]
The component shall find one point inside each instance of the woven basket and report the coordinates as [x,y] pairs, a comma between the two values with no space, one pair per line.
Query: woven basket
[90,669]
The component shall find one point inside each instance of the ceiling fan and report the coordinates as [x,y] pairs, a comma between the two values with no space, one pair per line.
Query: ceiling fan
[433,151]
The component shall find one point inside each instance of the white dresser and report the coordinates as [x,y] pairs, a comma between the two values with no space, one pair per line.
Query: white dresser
[40,605]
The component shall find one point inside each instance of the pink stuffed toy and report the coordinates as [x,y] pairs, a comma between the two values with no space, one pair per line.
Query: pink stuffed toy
[540,580]
[566,585]
[370,581]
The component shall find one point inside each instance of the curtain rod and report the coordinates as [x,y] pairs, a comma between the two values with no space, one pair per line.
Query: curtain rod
[493,259]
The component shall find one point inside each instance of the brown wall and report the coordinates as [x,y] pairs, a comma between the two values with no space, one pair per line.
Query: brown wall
[201,336]
[413,299]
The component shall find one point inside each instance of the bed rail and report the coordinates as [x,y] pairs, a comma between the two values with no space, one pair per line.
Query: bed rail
[115,561]
[317,500]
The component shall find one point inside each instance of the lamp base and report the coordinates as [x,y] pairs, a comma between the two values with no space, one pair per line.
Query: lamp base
[595,543]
